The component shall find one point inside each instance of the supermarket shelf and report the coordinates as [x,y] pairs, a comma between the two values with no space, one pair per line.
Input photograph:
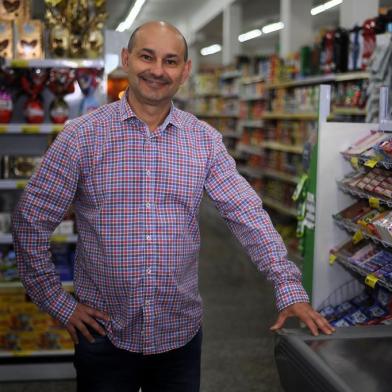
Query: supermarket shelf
[353,267]
[31,128]
[253,79]
[18,285]
[13,184]
[232,134]
[289,116]
[38,353]
[231,95]
[254,150]
[211,94]
[348,112]
[362,160]
[353,228]
[6,239]
[260,172]
[53,63]
[363,195]
[252,97]
[321,79]
[231,74]
[280,207]
[283,147]
[252,123]
[216,115]
[235,154]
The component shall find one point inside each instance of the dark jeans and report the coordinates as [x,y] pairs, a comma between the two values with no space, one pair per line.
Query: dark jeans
[102,367]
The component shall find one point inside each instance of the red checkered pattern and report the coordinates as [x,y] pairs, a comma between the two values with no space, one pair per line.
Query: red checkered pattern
[137,196]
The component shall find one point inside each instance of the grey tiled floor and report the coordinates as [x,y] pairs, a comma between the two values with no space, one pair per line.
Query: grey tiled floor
[238,310]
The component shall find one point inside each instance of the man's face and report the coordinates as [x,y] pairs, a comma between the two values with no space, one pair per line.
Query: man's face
[156,67]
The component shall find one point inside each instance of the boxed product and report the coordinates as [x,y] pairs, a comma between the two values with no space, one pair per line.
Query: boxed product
[365,145]
[29,40]
[13,10]
[6,40]
[16,167]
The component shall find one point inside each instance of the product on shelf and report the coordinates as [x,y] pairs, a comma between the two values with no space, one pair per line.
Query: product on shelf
[88,80]
[6,39]
[19,167]
[367,308]
[365,146]
[7,78]
[29,40]
[76,28]
[14,10]
[5,223]
[61,82]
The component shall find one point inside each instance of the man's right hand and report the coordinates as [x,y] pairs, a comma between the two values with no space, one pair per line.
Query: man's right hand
[82,316]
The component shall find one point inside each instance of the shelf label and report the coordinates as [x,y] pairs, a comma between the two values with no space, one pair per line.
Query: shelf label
[57,128]
[19,63]
[371,280]
[355,162]
[332,258]
[358,236]
[371,163]
[23,353]
[21,184]
[3,128]
[30,129]
[59,238]
[374,202]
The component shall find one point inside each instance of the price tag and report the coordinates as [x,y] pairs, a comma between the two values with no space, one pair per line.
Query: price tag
[57,128]
[371,281]
[30,129]
[358,236]
[19,63]
[21,184]
[332,258]
[371,163]
[59,238]
[374,202]
[3,128]
[355,162]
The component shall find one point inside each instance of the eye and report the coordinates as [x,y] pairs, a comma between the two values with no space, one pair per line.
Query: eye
[146,57]
[171,62]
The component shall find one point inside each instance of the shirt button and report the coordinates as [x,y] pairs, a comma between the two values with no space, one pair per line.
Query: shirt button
[148,270]
[148,302]
[148,172]
[148,237]
[148,205]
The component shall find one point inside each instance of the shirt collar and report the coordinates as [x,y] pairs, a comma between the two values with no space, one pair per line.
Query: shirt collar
[126,112]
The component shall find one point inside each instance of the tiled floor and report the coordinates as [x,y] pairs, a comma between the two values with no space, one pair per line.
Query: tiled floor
[239,308]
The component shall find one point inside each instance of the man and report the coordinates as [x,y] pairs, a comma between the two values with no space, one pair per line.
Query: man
[135,171]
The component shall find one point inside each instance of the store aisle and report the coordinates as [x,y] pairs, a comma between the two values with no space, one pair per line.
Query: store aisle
[239,308]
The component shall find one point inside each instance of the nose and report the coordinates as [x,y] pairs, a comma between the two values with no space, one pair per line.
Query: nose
[157,68]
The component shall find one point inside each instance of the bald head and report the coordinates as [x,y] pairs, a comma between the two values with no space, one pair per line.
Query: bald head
[158,25]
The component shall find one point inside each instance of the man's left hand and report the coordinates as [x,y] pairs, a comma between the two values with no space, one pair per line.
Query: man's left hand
[308,315]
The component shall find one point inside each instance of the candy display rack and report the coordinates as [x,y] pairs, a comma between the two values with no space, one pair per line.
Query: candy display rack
[38,348]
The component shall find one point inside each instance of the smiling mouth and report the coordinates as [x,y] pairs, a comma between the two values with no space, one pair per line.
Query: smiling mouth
[152,82]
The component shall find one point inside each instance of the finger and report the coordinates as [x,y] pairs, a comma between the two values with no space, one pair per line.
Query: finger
[98,314]
[323,324]
[311,325]
[85,332]
[279,322]
[93,324]
[72,331]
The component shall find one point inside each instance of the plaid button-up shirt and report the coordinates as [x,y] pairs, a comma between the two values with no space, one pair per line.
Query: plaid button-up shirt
[136,196]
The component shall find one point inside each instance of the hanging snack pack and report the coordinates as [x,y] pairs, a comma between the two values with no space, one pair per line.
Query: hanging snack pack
[13,10]
[6,39]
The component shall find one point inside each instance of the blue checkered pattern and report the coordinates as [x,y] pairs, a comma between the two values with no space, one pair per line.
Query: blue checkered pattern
[137,196]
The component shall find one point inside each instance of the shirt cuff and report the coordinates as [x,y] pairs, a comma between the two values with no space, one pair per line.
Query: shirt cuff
[62,306]
[290,293]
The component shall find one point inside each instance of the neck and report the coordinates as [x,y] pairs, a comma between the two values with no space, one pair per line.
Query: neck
[152,115]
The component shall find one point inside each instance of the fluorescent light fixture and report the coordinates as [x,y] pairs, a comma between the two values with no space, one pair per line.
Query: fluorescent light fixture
[325,6]
[133,13]
[210,49]
[249,35]
[272,27]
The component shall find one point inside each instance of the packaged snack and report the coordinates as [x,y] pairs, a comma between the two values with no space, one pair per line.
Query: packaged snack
[340,323]
[328,312]
[376,311]
[361,299]
[356,317]
[344,308]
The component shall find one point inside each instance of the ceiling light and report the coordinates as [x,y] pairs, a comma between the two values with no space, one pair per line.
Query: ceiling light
[133,13]
[249,35]
[325,6]
[211,50]
[272,27]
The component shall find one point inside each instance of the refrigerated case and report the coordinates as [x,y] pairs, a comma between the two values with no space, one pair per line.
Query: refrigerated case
[353,359]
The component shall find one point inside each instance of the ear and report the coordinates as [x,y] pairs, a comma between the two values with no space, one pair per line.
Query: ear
[124,59]
[187,71]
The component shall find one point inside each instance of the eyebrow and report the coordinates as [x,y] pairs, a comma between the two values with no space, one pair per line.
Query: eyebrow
[151,51]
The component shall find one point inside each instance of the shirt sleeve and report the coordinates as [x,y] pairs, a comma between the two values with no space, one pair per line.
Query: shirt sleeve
[242,209]
[40,209]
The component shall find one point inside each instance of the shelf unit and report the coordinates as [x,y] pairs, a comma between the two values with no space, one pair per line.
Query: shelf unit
[31,140]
